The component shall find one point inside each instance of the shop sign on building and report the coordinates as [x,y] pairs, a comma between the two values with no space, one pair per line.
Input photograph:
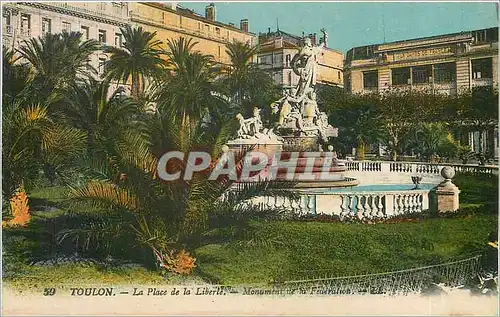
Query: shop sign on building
[423,53]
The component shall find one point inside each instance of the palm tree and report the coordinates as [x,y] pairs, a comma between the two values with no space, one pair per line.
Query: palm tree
[124,199]
[30,139]
[189,91]
[103,116]
[79,53]
[164,217]
[247,83]
[15,77]
[56,61]
[138,58]
[431,138]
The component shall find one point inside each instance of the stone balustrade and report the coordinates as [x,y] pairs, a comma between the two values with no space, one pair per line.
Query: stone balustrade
[384,172]
[348,204]
[418,167]
[379,204]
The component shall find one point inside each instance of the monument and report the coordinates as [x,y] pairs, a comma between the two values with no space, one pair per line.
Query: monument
[300,127]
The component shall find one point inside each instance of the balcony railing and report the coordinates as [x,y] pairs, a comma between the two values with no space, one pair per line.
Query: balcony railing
[25,32]
[114,15]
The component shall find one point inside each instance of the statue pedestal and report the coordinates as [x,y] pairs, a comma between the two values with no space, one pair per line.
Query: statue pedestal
[295,152]
[300,144]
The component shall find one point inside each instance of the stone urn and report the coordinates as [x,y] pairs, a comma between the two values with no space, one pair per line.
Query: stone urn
[447,173]
[416,179]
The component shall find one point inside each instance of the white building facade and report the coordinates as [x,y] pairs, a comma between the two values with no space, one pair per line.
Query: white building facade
[95,20]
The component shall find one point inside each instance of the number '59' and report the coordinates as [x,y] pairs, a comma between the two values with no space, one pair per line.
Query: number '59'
[49,291]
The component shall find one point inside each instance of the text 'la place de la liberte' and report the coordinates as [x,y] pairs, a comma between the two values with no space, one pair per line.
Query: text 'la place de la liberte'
[152,291]
[199,291]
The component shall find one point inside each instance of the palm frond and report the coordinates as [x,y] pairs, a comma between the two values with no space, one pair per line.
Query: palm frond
[95,233]
[108,194]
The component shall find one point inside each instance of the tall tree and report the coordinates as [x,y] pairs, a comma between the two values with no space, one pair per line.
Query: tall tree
[248,85]
[189,91]
[478,111]
[431,139]
[357,117]
[138,60]
[104,115]
[30,139]
[32,82]
[56,61]
[402,111]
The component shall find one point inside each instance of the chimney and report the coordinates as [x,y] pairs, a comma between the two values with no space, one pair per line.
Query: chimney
[210,12]
[244,25]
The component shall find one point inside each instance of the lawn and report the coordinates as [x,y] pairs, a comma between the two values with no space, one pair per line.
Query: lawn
[296,250]
[276,250]
[311,250]
[36,242]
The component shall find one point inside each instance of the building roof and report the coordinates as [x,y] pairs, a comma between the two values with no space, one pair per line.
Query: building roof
[289,40]
[270,47]
[192,14]
[374,51]
[426,38]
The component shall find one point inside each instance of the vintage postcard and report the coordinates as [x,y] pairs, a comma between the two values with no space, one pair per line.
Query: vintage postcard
[249,158]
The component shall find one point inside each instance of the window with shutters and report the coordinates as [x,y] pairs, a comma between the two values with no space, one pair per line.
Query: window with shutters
[66,27]
[102,36]
[46,25]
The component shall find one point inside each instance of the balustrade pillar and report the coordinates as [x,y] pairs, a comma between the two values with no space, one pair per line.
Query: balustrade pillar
[389,205]
[385,167]
[446,194]
[425,202]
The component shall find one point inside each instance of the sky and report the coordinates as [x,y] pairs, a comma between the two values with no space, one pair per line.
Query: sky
[351,24]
